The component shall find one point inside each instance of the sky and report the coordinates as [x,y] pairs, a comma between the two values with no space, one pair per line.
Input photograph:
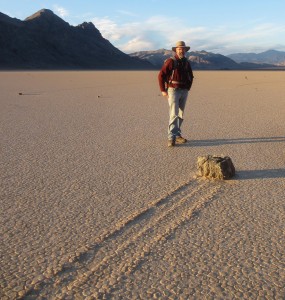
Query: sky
[220,26]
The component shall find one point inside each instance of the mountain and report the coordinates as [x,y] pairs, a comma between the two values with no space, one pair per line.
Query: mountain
[6,19]
[45,41]
[270,57]
[200,60]
[211,61]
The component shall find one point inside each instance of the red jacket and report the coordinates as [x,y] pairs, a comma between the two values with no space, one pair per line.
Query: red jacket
[175,74]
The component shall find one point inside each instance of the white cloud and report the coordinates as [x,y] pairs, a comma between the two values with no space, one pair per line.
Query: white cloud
[135,36]
[127,13]
[256,39]
[108,28]
[158,32]
[137,44]
[61,11]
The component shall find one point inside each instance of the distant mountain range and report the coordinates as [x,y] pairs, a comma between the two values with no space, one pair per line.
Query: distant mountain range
[273,57]
[45,41]
[204,60]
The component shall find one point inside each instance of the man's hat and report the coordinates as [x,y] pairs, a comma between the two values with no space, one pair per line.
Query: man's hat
[180,44]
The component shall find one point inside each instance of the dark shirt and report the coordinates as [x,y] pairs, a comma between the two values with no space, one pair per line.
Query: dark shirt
[180,77]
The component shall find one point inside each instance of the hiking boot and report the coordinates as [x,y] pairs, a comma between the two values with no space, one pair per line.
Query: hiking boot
[180,140]
[171,143]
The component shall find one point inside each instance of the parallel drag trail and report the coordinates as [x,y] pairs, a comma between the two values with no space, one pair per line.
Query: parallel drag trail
[119,252]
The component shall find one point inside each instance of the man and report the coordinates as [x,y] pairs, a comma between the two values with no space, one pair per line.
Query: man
[175,80]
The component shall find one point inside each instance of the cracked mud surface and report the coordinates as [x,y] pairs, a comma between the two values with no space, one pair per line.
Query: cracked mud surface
[95,206]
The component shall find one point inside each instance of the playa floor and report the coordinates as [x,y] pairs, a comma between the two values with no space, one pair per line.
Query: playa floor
[94,205]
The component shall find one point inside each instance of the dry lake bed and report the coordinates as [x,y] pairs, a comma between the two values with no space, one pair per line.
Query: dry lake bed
[94,205]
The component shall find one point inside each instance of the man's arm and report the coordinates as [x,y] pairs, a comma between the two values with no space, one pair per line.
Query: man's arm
[191,76]
[163,76]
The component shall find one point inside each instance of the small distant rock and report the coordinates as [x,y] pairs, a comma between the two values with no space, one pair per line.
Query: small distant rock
[216,167]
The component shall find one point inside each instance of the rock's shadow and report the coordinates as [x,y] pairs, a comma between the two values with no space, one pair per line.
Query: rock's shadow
[260,174]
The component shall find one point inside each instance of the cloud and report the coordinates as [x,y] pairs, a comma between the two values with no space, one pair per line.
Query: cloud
[251,39]
[127,13]
[61,11]
[132,36]
[136,45]
[157,32]
[108,28]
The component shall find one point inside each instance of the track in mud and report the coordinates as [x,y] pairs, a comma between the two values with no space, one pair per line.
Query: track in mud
[118,252]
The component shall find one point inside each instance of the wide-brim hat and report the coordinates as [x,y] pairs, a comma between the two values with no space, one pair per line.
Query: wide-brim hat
[180,44]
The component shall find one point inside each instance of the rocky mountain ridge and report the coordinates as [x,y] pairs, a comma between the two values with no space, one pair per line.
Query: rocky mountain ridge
[45,41]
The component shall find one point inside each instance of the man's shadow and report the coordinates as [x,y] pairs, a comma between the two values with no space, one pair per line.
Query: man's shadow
[217,142]
[246,174]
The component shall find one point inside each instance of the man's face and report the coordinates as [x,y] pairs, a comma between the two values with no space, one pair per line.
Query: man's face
[180,51]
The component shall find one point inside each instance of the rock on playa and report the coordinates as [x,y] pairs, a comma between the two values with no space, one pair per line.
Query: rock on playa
[216,167]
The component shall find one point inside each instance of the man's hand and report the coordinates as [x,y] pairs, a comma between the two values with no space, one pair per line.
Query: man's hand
[164,94]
